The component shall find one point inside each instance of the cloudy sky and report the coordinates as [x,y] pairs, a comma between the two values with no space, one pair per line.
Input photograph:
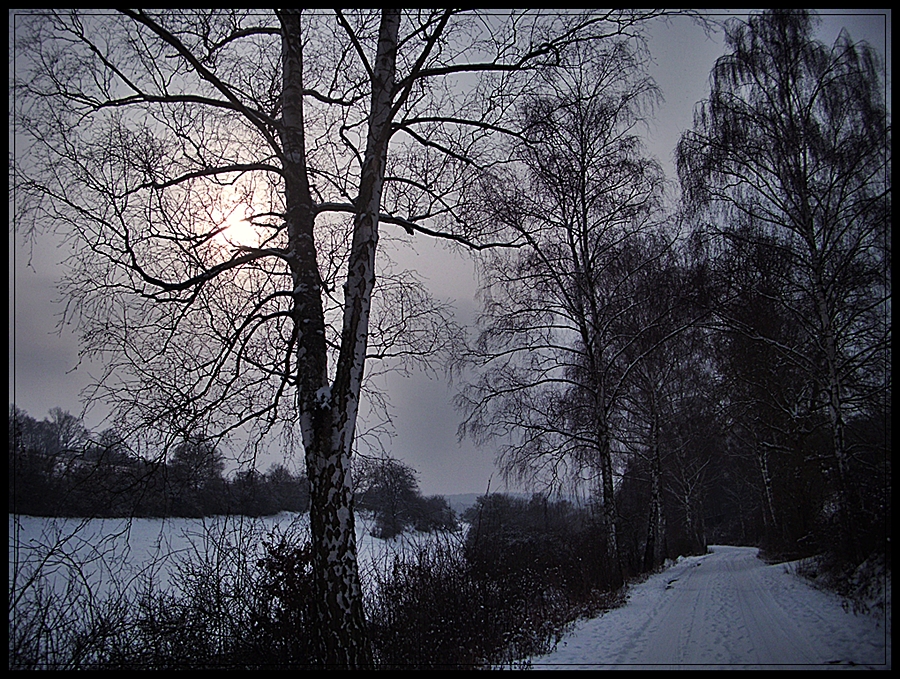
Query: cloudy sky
[43,359]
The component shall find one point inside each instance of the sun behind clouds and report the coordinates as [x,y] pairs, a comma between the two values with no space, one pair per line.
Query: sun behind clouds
[236,225]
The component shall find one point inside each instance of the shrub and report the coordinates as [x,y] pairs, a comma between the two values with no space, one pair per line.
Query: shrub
[553,546]
[495,596]
[432,609]
[501,593]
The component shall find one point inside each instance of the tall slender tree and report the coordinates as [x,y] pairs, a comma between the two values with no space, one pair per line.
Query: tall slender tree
[665,383]
[551,353]
[792,150]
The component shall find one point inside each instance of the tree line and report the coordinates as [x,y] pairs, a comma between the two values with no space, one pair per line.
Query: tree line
[57,467]
[710,367]
[716,371]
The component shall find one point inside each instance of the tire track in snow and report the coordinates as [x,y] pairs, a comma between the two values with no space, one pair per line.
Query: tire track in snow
[726,609]
[774,638]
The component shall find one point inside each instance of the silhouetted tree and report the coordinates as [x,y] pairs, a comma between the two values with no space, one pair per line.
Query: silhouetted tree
[388,488]
[668,377]
[550,353]
[790,158]
[290,493]
[434,513]
[32,472]
[194,478]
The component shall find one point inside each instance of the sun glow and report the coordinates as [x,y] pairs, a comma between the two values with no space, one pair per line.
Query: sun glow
[234,227]
[238,229]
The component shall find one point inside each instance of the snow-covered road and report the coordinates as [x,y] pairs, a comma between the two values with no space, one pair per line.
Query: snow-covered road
[726,608]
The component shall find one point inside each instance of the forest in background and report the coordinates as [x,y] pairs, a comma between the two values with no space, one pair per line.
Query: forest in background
[59,468]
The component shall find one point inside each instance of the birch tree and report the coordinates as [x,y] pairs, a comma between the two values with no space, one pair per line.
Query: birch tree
[770,404]
[550,357]
[792,149]
[666,380]
[222,177]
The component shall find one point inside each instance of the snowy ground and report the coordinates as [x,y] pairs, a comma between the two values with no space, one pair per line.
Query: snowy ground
[726,610]
[115,555]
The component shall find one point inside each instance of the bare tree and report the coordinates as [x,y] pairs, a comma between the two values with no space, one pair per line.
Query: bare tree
[222,176]
[668,363]
[390,489]
[552,355]
[769,401]
[792,151]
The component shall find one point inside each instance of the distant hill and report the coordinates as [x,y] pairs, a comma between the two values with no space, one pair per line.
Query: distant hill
[461,502]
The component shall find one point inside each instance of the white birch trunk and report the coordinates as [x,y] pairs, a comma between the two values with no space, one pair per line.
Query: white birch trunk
[328,412]
[655,551]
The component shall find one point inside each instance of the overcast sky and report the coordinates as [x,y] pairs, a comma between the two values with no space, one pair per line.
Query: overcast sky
[43,363]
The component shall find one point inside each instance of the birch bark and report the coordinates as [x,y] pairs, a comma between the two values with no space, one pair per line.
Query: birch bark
[328,411]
